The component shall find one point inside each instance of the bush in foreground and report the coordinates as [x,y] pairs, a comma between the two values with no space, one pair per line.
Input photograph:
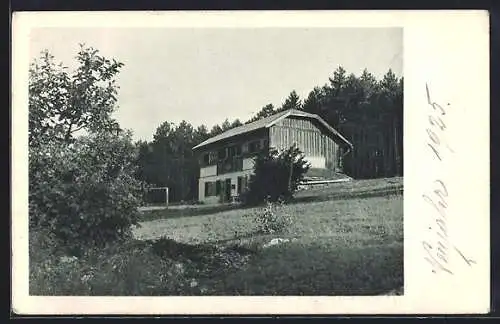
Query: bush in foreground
[85,193]
[276,176]
[82,189]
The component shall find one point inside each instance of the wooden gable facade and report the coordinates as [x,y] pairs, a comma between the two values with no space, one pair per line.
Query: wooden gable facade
[226,162]
[318,145]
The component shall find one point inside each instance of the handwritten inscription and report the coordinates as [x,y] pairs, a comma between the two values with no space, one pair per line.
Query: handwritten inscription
[436,128]
[438,250]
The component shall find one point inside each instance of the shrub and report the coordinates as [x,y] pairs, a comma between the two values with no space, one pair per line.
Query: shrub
[81,189]
[272,218]
[130,268]
[84,193]
[276,176]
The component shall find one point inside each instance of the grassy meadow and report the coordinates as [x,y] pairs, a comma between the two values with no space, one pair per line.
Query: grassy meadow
[346,247]
[337,244]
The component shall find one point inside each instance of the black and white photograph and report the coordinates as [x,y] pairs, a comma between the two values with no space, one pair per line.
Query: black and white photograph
[219,161]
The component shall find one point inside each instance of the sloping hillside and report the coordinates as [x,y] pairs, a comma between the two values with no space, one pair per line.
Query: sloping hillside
[351,189]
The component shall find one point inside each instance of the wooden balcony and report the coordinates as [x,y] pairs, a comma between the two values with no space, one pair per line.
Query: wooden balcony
[230,165]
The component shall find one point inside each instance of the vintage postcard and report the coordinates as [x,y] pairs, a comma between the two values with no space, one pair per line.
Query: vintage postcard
[251,162]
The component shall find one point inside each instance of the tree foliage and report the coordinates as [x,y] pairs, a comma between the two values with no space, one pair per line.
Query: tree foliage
[85,193]
[266,111]
[292,102]
[369,112]
[276,176]
[62,103]
[314,101]
[353,104]
[82,188]
[168,160]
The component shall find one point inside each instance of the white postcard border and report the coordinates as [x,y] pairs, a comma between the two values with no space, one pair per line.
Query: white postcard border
[447,50]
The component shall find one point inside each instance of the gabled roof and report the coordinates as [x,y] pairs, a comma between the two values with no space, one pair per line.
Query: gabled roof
[268,122]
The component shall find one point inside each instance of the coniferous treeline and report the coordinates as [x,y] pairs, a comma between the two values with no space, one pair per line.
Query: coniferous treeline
[369,112]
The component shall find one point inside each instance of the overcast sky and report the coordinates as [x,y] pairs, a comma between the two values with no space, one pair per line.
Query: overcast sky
[207,75]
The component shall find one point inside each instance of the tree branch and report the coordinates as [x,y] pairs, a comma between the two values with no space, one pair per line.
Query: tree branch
[68,132]
[77,129]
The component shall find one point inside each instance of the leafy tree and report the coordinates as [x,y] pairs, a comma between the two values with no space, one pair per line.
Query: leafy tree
[82,189]
[276,176]
[62,103]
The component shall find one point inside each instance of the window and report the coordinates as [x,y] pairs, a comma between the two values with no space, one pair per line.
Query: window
[232,151]
[206,158]
[221,154]
[244,148]
[210,189]
[213,157]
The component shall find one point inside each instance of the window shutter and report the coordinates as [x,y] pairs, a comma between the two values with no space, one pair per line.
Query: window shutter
[217,187]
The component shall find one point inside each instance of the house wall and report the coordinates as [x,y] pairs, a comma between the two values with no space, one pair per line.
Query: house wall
[321,149]
[244,140]
[318,146]
[208,171]
[210,176]
[201,192]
